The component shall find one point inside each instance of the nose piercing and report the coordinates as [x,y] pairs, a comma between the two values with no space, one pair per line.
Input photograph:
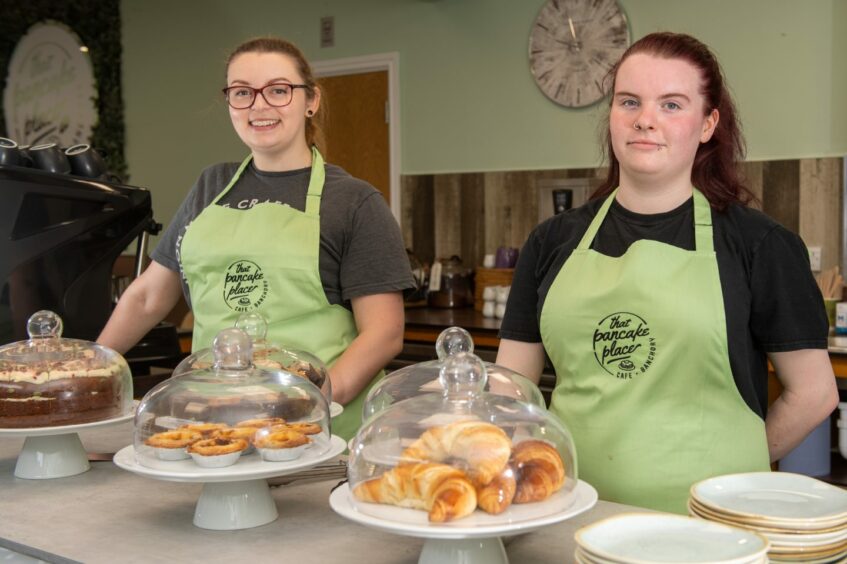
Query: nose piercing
[637,126]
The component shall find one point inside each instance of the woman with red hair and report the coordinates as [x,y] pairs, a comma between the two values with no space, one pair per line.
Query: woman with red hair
[660,301]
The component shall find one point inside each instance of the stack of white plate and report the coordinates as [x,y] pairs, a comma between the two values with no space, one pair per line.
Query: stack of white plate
[804,519]
[649,538]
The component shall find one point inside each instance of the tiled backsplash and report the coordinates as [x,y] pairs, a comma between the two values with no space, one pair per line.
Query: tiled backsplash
[472,214]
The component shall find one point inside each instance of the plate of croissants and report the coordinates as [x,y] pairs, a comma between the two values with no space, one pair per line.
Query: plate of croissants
[466,479]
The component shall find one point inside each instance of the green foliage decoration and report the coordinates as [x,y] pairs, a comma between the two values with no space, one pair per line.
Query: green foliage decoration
[98,25]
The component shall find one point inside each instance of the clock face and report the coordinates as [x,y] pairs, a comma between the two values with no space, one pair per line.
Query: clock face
[573,45]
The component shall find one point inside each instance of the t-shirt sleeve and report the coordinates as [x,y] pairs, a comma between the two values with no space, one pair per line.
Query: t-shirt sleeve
[374,261]
[166,252]
[787,312]
[520,323]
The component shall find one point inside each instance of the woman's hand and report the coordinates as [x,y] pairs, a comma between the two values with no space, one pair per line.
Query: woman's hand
[380,321]
[526,359]
[145,303]
[808,396]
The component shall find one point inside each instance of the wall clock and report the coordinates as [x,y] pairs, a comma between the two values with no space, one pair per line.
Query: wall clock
[572,46]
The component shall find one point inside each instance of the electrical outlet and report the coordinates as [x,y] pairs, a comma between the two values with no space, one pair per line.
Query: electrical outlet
[327,31]
[815,258]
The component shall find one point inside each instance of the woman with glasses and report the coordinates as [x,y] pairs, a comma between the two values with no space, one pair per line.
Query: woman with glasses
[314,250]
[661,300]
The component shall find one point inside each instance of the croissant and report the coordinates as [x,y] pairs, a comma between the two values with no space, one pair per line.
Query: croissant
[483,449]
[442,490]
[497,495]
[540,471]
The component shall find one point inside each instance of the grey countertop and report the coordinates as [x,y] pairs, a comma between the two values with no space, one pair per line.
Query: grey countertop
[110,515]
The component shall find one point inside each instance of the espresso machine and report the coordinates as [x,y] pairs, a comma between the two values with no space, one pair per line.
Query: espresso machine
[61,230]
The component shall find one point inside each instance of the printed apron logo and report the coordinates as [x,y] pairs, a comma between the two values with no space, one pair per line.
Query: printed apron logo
[623,345]
[245,287]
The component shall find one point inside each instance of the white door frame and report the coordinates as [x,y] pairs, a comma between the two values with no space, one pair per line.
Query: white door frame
[370,63]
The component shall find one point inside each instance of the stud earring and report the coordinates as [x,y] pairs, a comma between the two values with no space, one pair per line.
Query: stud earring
[310,113]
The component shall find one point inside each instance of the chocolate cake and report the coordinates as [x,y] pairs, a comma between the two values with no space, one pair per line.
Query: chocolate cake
[247,404]
[80,388]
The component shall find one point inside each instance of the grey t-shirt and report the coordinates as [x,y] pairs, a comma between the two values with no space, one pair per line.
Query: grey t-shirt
[361,248]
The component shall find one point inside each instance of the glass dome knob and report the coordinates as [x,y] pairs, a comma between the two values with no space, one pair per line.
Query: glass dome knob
[452,341]
[463,374]
[233,350]
[44,324]
[254,325]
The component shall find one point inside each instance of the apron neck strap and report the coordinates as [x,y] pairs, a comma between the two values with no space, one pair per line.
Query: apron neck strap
[234,178]
[588,237]
[316,183]
[702,223]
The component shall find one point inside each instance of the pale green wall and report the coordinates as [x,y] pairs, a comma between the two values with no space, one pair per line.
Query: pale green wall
[839,76]
[468,102]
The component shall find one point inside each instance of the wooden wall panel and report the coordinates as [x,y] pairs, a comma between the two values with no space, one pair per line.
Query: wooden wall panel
[522,188]
[820,207]
[752,174]
[448,214]
[475,213]
[498,220]
[419,216]
[781,192]
[472,219]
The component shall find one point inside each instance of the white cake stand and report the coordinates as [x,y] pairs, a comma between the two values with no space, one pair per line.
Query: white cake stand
[471,540]
[235,497]
[55,452]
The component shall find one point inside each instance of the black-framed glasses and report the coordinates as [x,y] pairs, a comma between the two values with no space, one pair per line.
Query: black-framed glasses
[278,94]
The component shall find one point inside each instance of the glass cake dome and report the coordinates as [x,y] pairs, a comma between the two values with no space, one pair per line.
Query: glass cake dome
[49,381]
[424,377]
[213,416]
[461,451]
[269,355]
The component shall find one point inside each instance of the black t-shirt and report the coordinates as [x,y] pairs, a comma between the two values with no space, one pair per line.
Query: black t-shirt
[771,299]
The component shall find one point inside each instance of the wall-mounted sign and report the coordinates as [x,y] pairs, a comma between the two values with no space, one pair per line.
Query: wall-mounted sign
[50,94]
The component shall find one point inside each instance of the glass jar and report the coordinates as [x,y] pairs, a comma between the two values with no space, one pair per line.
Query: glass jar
[450,284]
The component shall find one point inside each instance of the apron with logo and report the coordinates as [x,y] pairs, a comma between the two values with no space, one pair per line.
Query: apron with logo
[265,259]
[643,378]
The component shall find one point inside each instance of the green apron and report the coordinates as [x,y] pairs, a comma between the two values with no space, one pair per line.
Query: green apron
[265,259]
[643,377]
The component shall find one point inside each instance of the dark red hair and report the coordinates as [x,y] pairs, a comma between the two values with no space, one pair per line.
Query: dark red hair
[715,172]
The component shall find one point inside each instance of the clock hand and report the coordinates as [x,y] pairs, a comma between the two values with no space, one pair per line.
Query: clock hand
[570,24]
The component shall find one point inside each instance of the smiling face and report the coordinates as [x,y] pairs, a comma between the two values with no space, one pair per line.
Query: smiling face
[658,120]
[275,135]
